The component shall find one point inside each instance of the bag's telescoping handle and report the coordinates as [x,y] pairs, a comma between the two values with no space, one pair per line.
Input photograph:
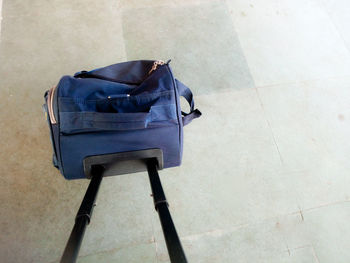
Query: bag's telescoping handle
[83,217]
[176,252]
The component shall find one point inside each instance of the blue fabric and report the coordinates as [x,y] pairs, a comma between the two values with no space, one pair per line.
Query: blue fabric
[116,109]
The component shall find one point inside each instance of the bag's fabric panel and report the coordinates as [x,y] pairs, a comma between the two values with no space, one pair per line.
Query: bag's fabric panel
[75,147]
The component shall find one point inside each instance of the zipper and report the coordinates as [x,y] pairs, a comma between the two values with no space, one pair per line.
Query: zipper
[51,94]
[87,74]
[50,102]
[155,65]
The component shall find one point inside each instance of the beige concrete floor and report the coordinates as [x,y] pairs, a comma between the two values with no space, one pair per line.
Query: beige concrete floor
[265,175]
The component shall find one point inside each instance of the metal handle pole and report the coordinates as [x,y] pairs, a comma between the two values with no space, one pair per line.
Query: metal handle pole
[175,250]
[83,217]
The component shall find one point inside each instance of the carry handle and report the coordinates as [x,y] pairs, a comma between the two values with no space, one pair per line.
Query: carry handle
[185,92]
[84,121]
[81,122]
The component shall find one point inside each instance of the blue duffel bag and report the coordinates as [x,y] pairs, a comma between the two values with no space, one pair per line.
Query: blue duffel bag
[124,107]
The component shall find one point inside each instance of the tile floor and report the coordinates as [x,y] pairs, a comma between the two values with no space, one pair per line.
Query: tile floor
[266,167]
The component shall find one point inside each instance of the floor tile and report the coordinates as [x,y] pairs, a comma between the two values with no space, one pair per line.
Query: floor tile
[15,8]
[309,122]
[132,4]
[0,17]
[256,243]
[293,230]
[205,63]
[310,127]
[302,255]
[329,232]
[232,179]
[339,13]
[43,49]
[318,187]
[283,42]
[324,228]
[271,240]
[123,215]
[133,254]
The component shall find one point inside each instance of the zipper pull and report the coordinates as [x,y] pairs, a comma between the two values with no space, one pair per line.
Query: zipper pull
[155,65]
[118,96]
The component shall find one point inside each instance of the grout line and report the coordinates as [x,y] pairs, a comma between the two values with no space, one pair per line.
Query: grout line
[240,46]
[122,32]
[276,84]
[164,4]
[149,190]
[323,6]
[304,81]
[301,247]
[283,237]
[0,18]
[312,208]
[268,123]
[301,213]
[216,232]
[129,245]
[288,250]
[243,225]
[314,254]
[221,231]
[326,205]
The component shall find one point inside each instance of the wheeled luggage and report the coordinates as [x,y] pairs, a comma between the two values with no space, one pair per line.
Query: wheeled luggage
[120,119]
